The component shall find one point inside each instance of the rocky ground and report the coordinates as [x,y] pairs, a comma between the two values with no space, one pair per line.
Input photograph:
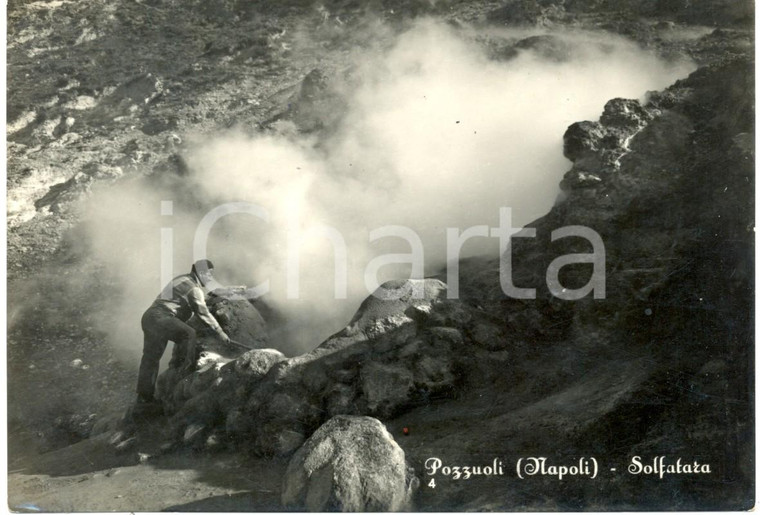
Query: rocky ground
[99,93]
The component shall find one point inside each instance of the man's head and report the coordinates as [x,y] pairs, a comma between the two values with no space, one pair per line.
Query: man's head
[203,270]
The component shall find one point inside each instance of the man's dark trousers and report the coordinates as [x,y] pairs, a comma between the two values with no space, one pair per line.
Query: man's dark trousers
[159,326]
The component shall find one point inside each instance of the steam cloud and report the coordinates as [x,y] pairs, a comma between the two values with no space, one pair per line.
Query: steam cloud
[435,134]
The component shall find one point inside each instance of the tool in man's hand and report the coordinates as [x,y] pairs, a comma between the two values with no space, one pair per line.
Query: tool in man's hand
[241,345]
[206,332]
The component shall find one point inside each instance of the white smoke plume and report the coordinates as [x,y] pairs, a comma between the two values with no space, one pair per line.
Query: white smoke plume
[436,134]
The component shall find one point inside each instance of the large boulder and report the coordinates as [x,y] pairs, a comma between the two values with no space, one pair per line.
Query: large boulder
[349,464]
[240,320]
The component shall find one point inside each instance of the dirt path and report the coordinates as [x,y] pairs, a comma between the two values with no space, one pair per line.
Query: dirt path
[94,475]
[221,482]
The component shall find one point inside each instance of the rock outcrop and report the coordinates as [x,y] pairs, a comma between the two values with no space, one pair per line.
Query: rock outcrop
[668,186]
[656,365]
[406,345]
[349,464]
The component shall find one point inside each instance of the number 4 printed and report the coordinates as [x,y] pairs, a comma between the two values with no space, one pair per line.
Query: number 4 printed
[431,484]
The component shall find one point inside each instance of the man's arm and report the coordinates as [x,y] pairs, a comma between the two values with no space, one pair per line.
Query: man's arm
[198,303]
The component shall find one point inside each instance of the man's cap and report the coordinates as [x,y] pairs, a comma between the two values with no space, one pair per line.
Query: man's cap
[202,265]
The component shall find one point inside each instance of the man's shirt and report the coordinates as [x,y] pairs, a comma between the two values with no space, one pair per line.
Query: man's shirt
[184,296]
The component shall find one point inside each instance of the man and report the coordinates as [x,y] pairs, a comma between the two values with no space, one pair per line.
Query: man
[166,320]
